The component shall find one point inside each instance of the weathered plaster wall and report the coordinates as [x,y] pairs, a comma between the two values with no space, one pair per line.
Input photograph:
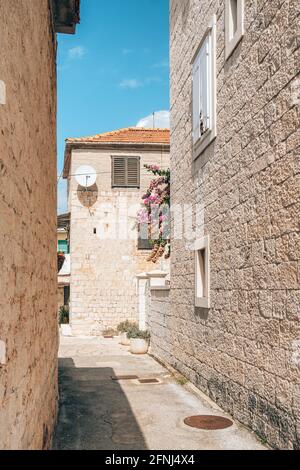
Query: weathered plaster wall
[243,352]
[104,265]
[28,275]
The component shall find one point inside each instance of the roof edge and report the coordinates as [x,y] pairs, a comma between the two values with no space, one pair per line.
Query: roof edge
[71,145]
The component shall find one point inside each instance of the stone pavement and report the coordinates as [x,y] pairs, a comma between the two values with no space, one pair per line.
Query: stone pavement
[98,413]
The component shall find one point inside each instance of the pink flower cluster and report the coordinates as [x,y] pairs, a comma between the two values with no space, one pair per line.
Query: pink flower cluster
[152,167]
[143,216]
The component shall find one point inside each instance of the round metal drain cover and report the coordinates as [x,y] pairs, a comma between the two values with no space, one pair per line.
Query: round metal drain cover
[208,422]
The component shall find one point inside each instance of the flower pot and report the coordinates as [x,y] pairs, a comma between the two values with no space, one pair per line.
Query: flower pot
[65,329]
[139,346]
[124,339]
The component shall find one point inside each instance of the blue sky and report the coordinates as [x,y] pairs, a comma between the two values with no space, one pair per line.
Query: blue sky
[114,72]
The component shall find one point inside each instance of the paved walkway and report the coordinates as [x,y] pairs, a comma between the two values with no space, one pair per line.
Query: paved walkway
[98,413]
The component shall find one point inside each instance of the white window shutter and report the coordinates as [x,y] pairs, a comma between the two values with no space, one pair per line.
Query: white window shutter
[208,82]
[196,100]
[204,87]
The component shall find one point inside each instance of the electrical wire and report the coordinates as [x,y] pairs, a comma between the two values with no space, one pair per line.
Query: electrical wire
[96,173]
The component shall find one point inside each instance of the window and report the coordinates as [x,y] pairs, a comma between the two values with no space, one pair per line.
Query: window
[125,172]
[202,275]
[63,246]
[234,25]
[143,238]
[204,91]
[66,295]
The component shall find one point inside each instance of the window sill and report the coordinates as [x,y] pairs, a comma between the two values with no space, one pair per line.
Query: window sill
[202,302]
[231,45]
[203,143]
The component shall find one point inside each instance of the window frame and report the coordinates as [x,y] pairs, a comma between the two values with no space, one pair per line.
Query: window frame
[206,139]
[199,246]
[126,185]
[66,245]
[232,42]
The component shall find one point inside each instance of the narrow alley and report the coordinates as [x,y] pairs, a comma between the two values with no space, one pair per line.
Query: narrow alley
[100,412]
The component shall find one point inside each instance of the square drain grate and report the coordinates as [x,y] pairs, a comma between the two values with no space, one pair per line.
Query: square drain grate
[125,377]
[149,381]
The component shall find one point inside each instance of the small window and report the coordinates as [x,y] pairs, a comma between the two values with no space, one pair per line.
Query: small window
[143,237]
[125,172]
[234,25]
[66,295]
[202,275]
[204,92]
[63,246]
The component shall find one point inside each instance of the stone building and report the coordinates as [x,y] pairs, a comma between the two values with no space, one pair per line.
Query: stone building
[63,224]
[106,254]
[28,276]
[231,320]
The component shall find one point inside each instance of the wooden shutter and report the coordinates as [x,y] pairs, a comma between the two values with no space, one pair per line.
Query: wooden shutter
[119,172]
[202,90]
[196,100]
[126,172]
[133,172]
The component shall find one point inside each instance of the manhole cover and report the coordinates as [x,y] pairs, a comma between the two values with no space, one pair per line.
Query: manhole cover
[148,381]
[125,377]
[208,422]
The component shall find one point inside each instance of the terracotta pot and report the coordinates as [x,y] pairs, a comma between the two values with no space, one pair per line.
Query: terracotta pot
[139,346]
[124,340]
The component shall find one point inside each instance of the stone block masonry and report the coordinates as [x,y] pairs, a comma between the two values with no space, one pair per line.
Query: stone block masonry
[28,275]
[105,258]
[244,351]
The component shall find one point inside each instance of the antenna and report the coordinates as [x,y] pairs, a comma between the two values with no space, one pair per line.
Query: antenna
[154,120]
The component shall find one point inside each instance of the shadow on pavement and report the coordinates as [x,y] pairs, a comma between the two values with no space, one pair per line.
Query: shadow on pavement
[94,413]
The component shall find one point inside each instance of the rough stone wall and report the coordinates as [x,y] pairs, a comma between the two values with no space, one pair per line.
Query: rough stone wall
[28,275]
[159,323]
[243,352]
[104,264]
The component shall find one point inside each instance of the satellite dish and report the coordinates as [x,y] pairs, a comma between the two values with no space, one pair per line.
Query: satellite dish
[86,176]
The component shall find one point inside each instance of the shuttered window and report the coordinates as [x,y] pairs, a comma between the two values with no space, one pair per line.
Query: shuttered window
[125,172]
[202,91]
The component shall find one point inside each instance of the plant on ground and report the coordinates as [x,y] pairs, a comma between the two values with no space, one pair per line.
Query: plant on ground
[109,332]
[64,315]
[136,333]
[125,326]
[181,380]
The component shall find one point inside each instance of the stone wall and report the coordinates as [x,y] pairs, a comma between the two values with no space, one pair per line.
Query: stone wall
[28,275]
[243,352]
[158,317]
[103,242]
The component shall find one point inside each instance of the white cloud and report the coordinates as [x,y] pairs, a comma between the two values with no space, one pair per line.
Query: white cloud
[161,65]
[161,119]
[77,52]
[150,80]
[131,83]
[127,51]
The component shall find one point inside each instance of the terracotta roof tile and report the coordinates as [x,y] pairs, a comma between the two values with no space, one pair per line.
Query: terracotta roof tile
[128,135]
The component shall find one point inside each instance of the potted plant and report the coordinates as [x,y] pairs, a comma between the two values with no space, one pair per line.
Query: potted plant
[64,321]
[139,341]
[109,333]
[123,329]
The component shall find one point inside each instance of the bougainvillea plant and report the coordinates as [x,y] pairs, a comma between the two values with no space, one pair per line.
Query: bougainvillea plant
[155,215]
